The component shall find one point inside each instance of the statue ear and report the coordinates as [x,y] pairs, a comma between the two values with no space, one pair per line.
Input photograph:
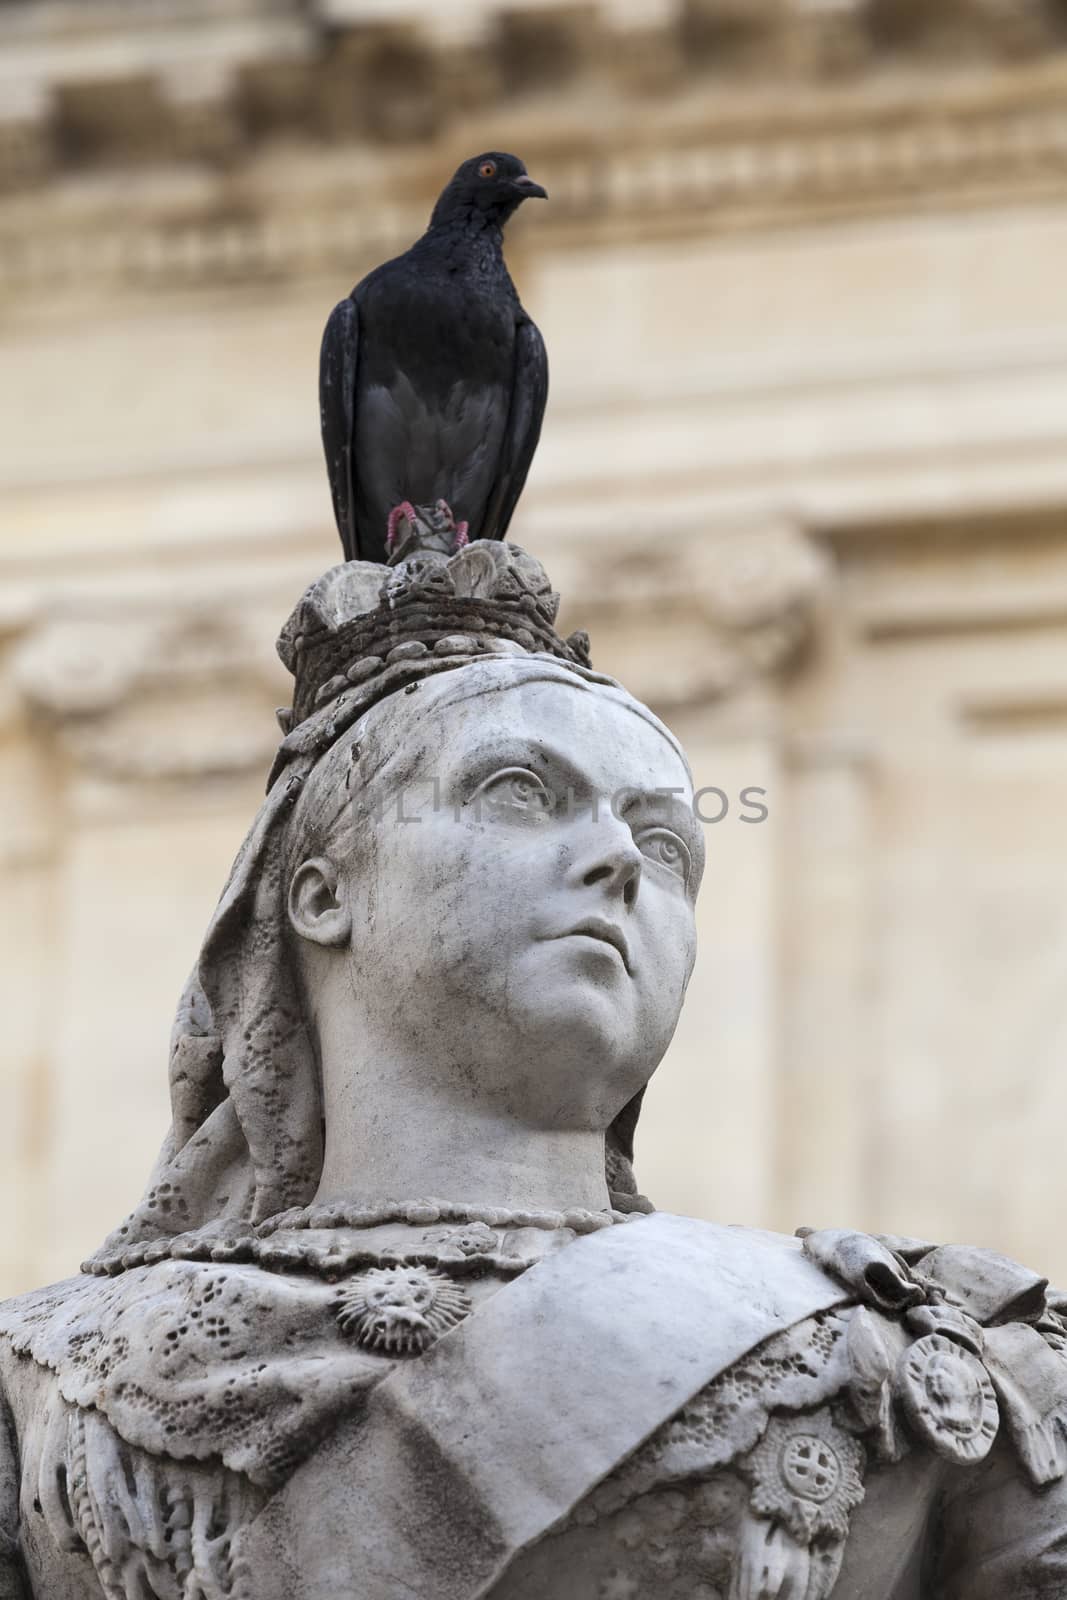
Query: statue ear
[315,911]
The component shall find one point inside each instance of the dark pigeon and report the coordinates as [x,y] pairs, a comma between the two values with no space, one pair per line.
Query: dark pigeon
[433,379]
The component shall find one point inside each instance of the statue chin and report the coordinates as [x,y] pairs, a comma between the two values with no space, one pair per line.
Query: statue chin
[590,1055]
[561,1045]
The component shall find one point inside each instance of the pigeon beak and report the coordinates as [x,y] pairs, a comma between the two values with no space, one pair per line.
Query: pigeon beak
[529,189]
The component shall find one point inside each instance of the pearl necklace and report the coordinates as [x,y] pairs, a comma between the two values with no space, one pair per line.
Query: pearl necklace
[425,1213]
[467,1239]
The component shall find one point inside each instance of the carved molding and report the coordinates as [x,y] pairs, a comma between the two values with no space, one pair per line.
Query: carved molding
[697,179]
[697,624]
[892,121]
[171,698]
[989,572]
[1041,709]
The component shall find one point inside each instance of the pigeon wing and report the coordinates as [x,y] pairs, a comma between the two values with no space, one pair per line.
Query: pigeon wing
[337,410]
[529,392]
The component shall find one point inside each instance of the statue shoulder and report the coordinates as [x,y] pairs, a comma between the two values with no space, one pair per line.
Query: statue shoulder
[937,1349]
[980,1381]
[148,1349]
[984,1350]
[869,1414]
[748,1261]
[38,1331]
[26,1317]
[200,1385]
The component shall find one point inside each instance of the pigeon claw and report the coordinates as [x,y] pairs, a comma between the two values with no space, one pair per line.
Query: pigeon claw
[462,535]
[405,511]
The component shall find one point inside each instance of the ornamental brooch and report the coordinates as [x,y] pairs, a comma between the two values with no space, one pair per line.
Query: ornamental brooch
[807,1473]
[948,1399]
[400,1310]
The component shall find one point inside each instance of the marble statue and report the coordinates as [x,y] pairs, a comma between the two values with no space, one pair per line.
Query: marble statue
[393,1319]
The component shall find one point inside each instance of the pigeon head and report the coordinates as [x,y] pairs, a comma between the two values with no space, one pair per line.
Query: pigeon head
[489,186]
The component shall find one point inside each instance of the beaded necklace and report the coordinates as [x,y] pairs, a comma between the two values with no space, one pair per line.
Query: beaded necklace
[336,1240]
[425,1213]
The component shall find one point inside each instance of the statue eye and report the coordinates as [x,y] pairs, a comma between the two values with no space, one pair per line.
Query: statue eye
[666,849]
[487,169]
[516,788]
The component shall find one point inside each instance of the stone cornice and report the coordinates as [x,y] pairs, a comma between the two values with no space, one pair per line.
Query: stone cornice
[139,699]
[166,687]
[254,178]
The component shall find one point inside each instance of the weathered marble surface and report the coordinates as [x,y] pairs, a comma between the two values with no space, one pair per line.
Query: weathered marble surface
[450,956]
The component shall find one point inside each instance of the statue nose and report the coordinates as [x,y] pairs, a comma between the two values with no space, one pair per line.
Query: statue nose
[618,871]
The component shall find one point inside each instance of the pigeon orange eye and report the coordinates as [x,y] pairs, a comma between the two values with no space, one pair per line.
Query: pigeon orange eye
[488,169]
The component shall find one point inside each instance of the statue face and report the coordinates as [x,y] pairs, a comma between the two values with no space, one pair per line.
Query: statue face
[526,940]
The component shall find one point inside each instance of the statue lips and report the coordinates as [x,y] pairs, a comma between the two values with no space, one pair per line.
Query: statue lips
[606,932]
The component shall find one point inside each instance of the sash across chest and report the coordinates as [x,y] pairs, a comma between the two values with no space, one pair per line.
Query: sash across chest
[468,1454]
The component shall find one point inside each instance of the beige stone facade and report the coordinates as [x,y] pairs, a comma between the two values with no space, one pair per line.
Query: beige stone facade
[801,280]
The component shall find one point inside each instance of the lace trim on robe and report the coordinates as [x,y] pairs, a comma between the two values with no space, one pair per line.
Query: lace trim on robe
[681,1519]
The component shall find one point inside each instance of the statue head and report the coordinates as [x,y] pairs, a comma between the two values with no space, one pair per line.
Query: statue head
[477,860]
[496,875]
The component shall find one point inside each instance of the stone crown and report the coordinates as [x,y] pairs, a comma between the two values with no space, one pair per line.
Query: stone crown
[428,605]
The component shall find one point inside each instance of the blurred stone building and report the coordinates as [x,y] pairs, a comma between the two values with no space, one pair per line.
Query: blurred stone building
[802,280]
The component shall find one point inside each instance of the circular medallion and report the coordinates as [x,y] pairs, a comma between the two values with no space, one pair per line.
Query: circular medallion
[806,1473]
[400,1310]
[809,1467]
[948,1399]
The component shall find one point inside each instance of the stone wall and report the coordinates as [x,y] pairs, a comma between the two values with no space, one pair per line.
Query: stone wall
[802,477]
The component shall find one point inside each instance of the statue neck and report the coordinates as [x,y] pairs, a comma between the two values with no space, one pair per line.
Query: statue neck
[398,1128]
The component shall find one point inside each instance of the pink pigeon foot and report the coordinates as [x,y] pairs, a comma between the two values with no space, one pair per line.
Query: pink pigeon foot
[462,535]
[405,511]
